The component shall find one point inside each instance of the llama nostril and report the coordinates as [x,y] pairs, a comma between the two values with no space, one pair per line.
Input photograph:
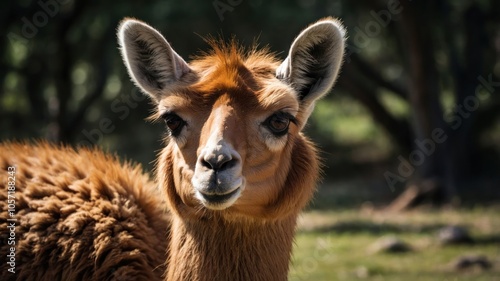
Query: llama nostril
[228,164]
[218,162]
[206,164]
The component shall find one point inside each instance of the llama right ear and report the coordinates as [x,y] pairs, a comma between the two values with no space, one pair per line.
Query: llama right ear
[313,62]
[152,64]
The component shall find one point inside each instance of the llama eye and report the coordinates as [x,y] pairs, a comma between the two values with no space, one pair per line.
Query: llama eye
[278,124]
[174,123]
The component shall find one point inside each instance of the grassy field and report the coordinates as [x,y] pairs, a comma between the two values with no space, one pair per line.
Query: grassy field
[335,245]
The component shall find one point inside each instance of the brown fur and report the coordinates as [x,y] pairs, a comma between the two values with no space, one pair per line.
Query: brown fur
[255,245]
[251,240]
[81,215]
[84,216]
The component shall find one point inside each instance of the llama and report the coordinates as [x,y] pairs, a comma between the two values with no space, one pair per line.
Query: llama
[237,170]
[234,174]
[79,215]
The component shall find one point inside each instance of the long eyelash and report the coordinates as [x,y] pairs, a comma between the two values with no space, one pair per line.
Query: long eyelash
[289,116]
[170,114]
[155,117]
[292,119]
[164,114]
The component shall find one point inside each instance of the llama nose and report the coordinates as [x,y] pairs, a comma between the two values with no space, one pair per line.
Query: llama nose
[218,162]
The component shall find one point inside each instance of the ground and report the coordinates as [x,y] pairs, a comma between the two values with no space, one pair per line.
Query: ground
[335,244]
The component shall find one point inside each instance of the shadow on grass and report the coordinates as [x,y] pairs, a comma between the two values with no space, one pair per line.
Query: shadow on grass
[377,228]
[486,240]
[372,228]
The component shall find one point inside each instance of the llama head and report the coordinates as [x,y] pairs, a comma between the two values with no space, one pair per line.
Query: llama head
[234,117]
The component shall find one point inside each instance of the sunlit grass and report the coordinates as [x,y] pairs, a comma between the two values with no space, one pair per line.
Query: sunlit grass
[336,245]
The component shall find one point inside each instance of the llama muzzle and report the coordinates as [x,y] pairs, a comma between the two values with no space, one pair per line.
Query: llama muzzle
[217,180]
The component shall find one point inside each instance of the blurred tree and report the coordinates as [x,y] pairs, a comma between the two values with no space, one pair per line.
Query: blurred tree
[448,52]
[415,66]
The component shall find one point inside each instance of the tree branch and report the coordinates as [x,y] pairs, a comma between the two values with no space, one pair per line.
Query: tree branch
[97,91]
[368,71]
[397,129]
[63,74]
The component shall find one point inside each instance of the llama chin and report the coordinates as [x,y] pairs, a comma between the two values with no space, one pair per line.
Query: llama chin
[245,111]
[230,182]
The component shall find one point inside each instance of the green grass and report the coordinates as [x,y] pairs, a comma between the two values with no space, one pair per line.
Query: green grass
[335,245]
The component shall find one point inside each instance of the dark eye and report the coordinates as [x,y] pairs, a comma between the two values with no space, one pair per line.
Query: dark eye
[174,123]
[278,123]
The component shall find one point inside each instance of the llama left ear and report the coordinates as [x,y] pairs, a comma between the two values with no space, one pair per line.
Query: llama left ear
[150,60]
[313,62]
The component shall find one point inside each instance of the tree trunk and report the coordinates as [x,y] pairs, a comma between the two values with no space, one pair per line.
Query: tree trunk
[59,105]
[397,129]
[429,156]
[463,143]
[450,163]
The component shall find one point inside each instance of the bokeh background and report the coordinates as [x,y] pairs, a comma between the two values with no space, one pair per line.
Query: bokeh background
[410,135]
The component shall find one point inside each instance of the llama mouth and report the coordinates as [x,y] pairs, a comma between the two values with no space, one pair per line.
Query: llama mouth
[219,201]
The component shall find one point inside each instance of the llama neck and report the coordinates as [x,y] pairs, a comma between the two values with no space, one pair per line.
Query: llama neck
[205,246]
[214,249]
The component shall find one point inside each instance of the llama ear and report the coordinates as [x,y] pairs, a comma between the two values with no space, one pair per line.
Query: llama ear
[152,64]
[314,61]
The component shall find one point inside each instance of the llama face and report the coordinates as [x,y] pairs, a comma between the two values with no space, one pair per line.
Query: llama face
[229,137]
[233,117]
[217,179]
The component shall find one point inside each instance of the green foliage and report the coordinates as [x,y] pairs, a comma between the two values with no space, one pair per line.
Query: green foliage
[344,122]
[63,75]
